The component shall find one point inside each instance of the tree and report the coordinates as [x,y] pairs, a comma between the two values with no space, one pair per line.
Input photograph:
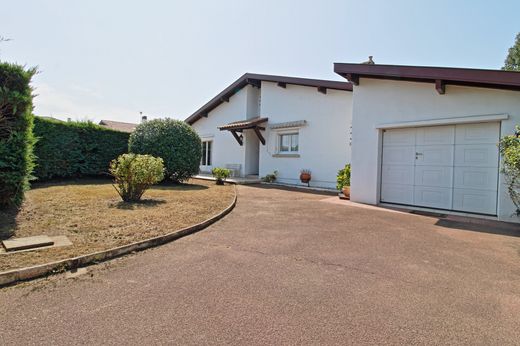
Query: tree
[172,140]
[512,62]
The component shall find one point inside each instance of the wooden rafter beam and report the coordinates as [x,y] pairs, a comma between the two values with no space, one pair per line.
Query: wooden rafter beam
[259,135]
[353,78]
[322,90]
[254,82]
[282,85]
[440,86]
[237,137]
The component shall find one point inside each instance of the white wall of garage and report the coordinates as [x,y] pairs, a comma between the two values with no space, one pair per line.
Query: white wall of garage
[384,101]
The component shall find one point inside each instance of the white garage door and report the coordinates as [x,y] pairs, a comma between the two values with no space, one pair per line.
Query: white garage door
[447,167]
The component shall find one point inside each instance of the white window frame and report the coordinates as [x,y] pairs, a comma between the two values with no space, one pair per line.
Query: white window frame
[205,151]
[280,138]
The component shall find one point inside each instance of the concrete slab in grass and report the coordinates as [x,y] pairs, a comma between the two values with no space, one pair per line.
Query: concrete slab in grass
[57,241]
[27,243]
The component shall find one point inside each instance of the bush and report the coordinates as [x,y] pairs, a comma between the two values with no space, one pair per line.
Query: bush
[175,141]
[510,151]
[75,149]
[220,174]
[343,178]
[134,174]
[16,135]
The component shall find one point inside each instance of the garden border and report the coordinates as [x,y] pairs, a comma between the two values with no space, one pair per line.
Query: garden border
[28,273]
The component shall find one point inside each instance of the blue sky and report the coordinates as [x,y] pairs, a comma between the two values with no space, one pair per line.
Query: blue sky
[113,59]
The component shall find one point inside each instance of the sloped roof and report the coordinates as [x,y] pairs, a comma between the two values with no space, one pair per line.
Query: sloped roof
[256,79]
[495,79]
[243,124]
[118,125]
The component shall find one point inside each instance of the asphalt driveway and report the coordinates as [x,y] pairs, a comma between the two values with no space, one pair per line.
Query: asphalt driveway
[287,267]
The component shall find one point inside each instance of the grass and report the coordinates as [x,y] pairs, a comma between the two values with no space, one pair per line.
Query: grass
[91,214]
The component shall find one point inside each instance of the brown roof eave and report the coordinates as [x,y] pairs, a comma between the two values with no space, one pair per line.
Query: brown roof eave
[255,79]
[496,79]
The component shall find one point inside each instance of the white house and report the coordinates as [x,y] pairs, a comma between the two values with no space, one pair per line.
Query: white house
[263,123]
[427,137]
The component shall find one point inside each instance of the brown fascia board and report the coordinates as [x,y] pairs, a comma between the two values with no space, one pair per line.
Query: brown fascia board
[254,79]
[495,79]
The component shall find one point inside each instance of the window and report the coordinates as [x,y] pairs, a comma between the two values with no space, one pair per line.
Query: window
[288,143]
[206,153]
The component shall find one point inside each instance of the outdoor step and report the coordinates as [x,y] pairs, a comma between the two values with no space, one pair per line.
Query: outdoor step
[27,243]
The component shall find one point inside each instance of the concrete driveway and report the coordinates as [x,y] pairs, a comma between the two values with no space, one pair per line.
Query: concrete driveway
[286,267]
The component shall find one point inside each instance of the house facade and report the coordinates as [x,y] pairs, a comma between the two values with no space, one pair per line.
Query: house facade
[426,137]
[261,124]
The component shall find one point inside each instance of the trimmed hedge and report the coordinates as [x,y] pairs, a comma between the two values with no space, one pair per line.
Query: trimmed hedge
[16,136]
[174,141]
[75,149]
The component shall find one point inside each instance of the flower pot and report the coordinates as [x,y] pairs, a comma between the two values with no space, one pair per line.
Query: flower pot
[305,178]
[346,191]
[220,182]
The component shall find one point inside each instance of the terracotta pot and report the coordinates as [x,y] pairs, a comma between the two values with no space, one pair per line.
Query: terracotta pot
[346,191]
[305,177]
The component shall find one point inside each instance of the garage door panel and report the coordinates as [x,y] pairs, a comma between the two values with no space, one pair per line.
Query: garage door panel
[399,155]
[445,167]
[478,178]
[396,193]
[435,135]
[399,137]
[475,201]
[433,197]
[397,174]
[434,155]
[477,133]
[475,155]
[434,176]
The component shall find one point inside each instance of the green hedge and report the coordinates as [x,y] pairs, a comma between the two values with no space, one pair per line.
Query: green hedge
[75,149]
[16,137]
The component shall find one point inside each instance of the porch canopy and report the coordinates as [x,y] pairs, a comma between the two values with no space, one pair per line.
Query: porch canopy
[249,124]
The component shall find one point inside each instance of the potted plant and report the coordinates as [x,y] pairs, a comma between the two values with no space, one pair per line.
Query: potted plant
[343,181]
[220,174]
[270,178]
[305,176]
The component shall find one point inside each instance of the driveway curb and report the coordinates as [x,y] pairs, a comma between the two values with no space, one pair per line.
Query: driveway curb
[28,273]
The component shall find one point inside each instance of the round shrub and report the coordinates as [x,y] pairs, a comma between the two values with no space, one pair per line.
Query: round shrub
[172,140]
[134,174]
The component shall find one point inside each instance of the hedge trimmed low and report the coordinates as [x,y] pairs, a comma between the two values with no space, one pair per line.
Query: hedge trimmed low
[172,140]
[75,149]
[16,136]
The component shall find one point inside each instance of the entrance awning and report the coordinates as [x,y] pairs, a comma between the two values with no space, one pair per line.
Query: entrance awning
[249,124]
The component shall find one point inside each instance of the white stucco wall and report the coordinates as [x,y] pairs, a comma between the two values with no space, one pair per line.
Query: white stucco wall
[382,101]
[226,149]
[324,141]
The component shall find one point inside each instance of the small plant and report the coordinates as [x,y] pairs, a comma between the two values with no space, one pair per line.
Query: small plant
[134,174]
[343,178]
[510,151]
[221,174]
[270,178]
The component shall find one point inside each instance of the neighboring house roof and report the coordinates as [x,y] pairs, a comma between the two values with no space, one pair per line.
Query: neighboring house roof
[256,79]
[441,76]
[118,125]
